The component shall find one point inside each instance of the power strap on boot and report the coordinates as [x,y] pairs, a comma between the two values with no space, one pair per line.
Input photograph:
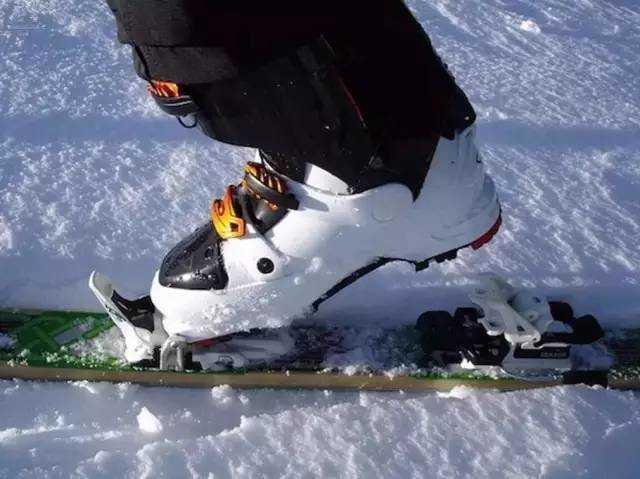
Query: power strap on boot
[261,199]
[268,186]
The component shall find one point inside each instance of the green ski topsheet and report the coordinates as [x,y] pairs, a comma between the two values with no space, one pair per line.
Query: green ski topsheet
[45,337]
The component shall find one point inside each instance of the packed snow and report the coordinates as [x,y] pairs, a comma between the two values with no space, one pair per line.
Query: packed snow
[148,423]
[100,430]
[92,176]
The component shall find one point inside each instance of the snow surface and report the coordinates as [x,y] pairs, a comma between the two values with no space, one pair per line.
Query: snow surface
[67,430]
[148,422]
[6,341]
[92,176]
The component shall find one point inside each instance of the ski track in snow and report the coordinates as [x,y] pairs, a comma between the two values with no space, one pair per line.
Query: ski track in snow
[92,175]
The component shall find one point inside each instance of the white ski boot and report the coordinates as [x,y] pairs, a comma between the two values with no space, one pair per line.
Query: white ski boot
[275,249]
[279,247]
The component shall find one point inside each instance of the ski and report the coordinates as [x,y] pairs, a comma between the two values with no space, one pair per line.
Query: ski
[53,345]
[297,380]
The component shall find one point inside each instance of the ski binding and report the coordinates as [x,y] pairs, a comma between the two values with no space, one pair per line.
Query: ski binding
[514,329]
[149,345]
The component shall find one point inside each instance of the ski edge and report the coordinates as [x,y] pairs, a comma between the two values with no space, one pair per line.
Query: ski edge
[284,380]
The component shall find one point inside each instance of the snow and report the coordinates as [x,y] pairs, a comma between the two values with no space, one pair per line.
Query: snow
[109,344]
[458,392]
[530,26]
[148,422]
[6,238]
[93,176]
[5,341]
[131,431]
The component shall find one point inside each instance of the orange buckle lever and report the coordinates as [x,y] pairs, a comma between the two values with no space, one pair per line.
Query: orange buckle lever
[164,89]
[267,178]
[224,218]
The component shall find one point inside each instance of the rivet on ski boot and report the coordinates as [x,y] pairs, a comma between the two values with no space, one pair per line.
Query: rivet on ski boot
[265,266]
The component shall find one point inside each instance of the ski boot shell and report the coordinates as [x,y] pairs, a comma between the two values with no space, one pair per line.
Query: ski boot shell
[147,344]
[322,240]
